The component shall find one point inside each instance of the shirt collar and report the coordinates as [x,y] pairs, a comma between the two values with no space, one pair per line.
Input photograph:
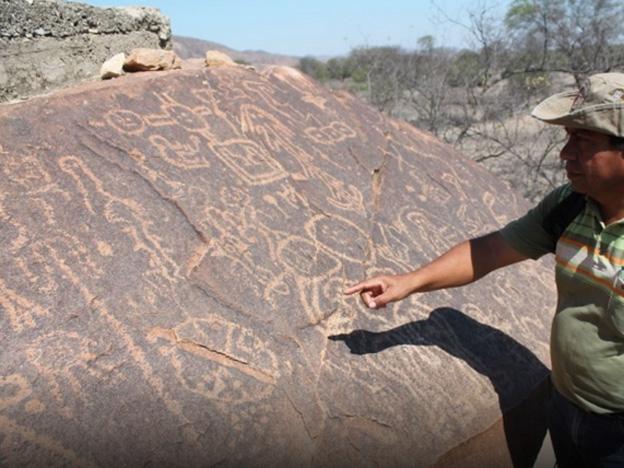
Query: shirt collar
[594,209]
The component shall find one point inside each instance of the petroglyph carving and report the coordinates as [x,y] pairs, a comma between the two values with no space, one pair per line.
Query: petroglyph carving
[289,195]
[260,125]
[434,233]
[27,171]
[174,113]
[330,134]
[232,348]
[234,342]
[125,121]
[305,258]
[394,246]
[249,161]
[331,232]
[489,200]
[14,389]
[268,97]
[256,122]
[21,311]
[128,214]
[189,155]
[295,80]
[344,197]
[63,360]
[236,238]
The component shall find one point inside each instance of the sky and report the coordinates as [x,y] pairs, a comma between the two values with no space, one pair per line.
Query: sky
[318,27]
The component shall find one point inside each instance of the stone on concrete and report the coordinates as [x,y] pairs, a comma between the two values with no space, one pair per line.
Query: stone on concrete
[144,59]
[113,67]
[215,58]
[174,250]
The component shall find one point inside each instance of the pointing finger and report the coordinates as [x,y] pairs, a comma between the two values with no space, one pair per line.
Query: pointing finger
[353,289]
[361,286]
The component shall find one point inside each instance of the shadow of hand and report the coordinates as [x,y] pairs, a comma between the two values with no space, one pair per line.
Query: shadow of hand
[364,342]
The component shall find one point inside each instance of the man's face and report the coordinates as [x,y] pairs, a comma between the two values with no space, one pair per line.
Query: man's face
[592,164]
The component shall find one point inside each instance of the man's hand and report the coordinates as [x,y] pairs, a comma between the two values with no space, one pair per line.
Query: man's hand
[378,291]
[463,264]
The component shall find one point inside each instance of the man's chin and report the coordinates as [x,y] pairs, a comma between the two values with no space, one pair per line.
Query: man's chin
[578,185]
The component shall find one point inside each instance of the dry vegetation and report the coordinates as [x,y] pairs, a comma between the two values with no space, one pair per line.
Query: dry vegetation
[479,99]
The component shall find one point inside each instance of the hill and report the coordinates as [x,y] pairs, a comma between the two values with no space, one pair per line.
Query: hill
[189,47]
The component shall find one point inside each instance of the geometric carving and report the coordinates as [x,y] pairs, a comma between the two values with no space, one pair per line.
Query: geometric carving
[249,161]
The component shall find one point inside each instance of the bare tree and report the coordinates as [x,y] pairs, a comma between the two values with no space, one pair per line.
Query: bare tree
[479,99]
[383,69]
[426,85]
[579,37]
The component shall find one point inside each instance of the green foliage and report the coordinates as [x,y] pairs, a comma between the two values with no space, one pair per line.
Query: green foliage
[575,36]
[466,70]
[380,68]
[520,12]
[358,75]
[314,68]
[526,88]
[426,43]
[536,81]
[335,69]
[358,87]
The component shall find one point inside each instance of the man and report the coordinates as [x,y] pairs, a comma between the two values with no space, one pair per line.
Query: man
[587,341]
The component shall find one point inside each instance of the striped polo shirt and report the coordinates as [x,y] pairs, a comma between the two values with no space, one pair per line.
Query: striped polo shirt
[587,336]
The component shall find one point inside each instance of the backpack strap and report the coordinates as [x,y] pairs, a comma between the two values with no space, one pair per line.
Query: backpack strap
[560,217]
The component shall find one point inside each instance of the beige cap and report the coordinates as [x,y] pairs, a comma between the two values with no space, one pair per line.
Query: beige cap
[597,106]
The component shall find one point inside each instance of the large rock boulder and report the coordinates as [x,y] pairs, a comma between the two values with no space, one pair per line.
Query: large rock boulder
[174,247]
[46,44]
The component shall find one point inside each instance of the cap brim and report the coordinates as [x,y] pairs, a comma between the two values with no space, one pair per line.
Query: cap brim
[556,109]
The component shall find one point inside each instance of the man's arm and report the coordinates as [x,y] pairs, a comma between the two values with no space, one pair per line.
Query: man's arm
[463,264]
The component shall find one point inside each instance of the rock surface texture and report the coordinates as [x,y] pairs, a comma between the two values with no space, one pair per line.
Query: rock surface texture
[174,247]
[45,44]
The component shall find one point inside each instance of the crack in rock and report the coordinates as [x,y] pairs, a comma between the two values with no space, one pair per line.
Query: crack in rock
[376,184]
[215,355]
[301,416]
[147,181]
[438,183]
[368,419]
[226,305]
